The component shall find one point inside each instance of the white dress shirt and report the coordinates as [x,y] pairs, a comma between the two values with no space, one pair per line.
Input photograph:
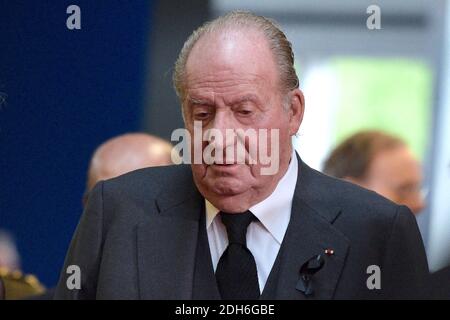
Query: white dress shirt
[264,237]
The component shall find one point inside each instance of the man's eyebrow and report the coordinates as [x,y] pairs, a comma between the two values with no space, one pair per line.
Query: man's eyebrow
[207,102]
[248,97]
[191,101]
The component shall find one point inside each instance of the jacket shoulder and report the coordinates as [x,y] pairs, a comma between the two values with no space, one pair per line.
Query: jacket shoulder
[146,184]
[356,203]
[152,177]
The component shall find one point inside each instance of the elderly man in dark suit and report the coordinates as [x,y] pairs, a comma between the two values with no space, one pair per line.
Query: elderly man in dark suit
[234,229]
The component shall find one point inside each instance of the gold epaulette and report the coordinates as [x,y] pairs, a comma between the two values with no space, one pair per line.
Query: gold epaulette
[18,285]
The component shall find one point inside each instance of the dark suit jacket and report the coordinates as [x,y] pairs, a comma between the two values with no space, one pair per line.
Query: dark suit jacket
[2,290]
[440,284]
[137,239]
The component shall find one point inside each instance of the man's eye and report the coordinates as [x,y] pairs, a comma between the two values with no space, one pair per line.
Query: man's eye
[245,112]
[201,115]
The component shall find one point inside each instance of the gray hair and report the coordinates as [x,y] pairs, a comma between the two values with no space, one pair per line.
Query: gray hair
[278,43]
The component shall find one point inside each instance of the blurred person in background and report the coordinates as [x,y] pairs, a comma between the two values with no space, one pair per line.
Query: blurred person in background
[380,162]
[125,153]
[9,255]
[14,284]
[384,163]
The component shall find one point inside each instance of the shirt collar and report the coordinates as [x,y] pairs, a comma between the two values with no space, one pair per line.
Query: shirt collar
[274,212]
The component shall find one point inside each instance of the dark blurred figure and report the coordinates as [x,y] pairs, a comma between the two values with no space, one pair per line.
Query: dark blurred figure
[379,162]
[2,290]
[440,284]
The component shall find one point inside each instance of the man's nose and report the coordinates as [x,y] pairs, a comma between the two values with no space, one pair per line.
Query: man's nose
[222,126]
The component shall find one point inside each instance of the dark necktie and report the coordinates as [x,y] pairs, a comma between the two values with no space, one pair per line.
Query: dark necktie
[236,273]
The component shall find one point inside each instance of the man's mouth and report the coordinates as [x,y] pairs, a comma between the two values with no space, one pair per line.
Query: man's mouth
[224,167]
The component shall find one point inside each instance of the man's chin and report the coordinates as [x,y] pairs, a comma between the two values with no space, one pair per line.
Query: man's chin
[227,194]
[227,187]
[230,204]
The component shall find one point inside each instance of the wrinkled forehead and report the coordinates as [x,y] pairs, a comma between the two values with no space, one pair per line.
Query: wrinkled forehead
[231,53]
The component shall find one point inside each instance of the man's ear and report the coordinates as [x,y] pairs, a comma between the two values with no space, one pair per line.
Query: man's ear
[296,110]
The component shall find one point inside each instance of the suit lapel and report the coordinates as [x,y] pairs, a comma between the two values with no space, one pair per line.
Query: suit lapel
[310,232]
[166,245]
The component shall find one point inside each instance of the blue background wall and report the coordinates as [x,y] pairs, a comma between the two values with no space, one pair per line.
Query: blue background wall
[67,91]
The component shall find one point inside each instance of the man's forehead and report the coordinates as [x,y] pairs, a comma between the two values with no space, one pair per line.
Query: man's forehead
[225,79]
[398,164]
[205,87]
[210,99]
[230,50]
